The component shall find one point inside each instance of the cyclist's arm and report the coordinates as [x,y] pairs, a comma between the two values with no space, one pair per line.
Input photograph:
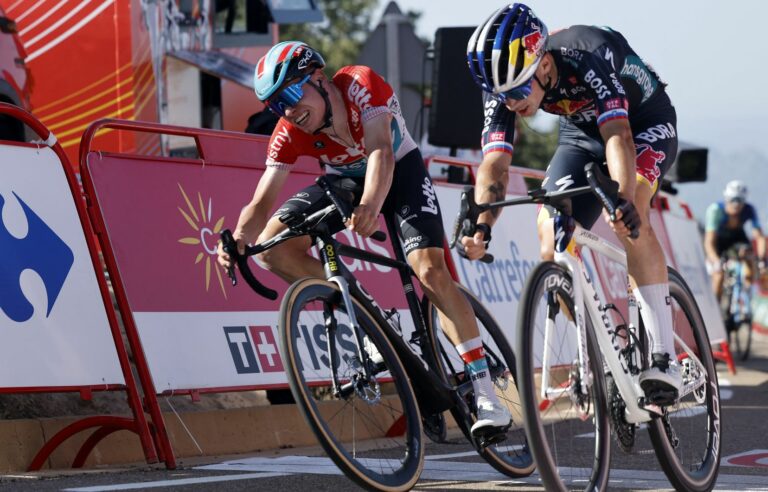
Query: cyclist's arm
[253,217]
[711,221]
[491,183]
[759,244]
[710,240]
[378,173]
[620,155]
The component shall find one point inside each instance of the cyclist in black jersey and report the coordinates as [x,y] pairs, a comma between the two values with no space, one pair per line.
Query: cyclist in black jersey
[615,112]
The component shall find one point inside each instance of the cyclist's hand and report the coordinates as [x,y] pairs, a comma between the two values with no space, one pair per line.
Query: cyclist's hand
[364,220]
[627,223]
[472,247]
[223,258]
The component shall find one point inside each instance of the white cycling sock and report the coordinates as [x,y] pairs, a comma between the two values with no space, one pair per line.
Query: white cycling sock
[473,355]
[657,316]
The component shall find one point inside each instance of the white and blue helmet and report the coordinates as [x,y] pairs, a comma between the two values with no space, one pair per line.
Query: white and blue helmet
[505,51]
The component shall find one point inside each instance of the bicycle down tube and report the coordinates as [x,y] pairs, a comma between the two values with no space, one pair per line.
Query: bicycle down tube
[586,295]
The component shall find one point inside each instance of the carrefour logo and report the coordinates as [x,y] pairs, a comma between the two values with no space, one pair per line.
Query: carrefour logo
[500,281]
[41,251]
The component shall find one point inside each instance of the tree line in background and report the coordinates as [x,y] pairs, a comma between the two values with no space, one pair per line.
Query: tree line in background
[342,35]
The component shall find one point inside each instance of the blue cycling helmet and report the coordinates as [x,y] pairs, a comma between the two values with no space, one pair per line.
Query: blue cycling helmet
[505,50]
[284,62]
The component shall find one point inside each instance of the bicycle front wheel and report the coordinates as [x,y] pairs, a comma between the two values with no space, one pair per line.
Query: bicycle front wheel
[511,456]
[687,438]
[564,403]
[368,422]
[739,327]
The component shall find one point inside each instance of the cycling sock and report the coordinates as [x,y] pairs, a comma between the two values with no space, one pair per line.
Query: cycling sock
[473,355]
[657,316]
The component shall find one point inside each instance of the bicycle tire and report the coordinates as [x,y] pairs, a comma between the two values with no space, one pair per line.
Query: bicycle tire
[685,418]
[390,453]
[569,434]
[739,326]
[511,457]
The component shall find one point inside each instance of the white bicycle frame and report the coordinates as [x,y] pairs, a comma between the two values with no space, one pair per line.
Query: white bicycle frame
[586,297]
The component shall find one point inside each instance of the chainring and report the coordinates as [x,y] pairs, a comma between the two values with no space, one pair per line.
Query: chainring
[622,430]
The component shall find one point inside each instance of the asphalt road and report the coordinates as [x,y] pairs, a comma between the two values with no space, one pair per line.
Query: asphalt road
[451,466]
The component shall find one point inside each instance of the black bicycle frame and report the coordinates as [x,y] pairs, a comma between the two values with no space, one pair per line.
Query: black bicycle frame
[433,394]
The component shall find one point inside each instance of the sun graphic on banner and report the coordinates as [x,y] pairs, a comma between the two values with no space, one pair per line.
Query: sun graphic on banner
[200,219]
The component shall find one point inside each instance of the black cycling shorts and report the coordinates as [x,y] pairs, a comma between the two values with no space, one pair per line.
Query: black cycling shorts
[655,139]
[411,199]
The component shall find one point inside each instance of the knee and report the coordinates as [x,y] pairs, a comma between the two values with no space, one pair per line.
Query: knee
[272,258]
[546,239]
[434,277]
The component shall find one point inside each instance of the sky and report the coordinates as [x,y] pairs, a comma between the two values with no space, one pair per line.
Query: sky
[712,54]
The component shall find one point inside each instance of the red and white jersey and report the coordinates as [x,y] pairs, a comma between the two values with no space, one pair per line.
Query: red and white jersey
[366,95]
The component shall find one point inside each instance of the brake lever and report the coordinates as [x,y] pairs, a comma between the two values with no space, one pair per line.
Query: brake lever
[229,245]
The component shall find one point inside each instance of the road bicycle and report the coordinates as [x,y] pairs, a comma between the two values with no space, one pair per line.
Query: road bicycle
[363,377]
[736,300]
[579,359]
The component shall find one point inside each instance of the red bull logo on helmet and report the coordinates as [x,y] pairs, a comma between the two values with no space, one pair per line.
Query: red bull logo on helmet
[534,42]
[648,161]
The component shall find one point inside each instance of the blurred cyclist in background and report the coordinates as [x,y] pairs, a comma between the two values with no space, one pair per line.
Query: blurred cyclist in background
[725,231]
[614,112]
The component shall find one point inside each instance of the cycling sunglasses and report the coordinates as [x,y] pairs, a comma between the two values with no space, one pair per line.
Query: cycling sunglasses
[287,98]
[518,93]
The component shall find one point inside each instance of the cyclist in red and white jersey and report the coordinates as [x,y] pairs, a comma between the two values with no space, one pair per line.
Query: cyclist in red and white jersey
[614,111]
[353,125]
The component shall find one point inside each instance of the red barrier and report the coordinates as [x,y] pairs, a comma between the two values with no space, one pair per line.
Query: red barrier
[104,424]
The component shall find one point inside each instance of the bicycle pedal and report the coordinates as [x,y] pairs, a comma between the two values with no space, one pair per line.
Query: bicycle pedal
[498,435]
[660,397]
[491,435]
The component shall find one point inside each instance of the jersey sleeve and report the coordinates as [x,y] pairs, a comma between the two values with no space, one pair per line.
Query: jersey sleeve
[714,217]
[365,90]
[598,72]
[281,152]
[498,126]
[752,217]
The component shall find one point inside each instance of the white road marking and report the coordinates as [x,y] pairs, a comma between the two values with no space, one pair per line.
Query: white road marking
[445,469]
[173,483]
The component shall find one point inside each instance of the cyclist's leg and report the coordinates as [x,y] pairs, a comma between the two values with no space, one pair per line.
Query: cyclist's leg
[566,170]
[416,208]
[656,148]
[290,260]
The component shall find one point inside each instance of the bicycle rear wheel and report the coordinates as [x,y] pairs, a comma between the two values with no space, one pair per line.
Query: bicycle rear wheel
[511,456]
[687,439]
[372,428]
[568,429]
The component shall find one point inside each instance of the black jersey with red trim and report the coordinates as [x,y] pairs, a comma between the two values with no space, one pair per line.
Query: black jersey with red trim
[599,79]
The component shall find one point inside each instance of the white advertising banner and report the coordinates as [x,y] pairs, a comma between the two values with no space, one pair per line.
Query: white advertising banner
[225,349]
[54,330]
[689,256]
[515,247]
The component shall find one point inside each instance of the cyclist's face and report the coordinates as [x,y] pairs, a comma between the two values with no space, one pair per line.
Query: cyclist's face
[529,105]
[307,114]
[732,207]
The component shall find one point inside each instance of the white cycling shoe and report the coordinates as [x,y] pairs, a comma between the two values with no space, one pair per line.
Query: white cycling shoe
[492,418]
[662,381]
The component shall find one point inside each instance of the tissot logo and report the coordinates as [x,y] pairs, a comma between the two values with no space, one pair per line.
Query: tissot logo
[41,251]
[253,349]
